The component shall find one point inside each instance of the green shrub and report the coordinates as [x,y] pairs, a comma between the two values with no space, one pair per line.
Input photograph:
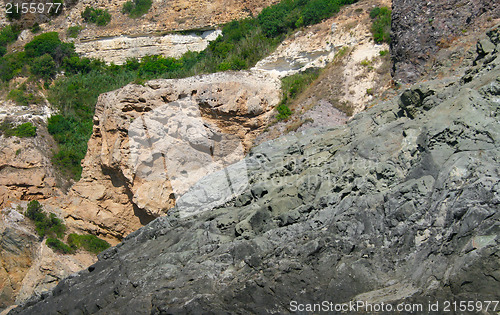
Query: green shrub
[18,95]
[136,8]
[74,31]
[44,67]
[34,211]
[45,226]
[381,25]
[25,130]
[98,16]
[49,43]
[154,65]
[76,64]
[383,53]
[8,34]
[22,131]
[12,65]
[75,96]
[58,246]
[90,243]
[283,112]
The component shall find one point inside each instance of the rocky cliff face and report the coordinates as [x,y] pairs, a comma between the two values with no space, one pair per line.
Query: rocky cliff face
[113,198]
[399,205]
[27,265]
[421,28]
[118,49]
[26,171]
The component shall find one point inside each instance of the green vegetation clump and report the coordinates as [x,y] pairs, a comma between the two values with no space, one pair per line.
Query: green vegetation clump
[44,67]
[292,86]
[90,243]
[25,130]
[136,8]
[99,17]
[45,225]
[49,43]
[22,131]
[8,34]
[74,31]
[35,28]
[381,25]
[54,229]
[383,53]
[58,246]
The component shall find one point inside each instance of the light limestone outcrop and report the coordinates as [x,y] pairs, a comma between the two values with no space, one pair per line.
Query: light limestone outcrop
[151,143]
[118,49]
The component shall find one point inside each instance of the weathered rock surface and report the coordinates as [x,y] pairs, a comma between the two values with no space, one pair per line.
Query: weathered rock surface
[420,28]
[120,192]
[354,70]
[118,49]
[401,204]
[26,171]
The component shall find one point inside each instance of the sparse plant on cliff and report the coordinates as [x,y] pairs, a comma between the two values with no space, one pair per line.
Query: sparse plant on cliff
[292,86]
[90,243]
[25,130]
[58,246]
[8,34]
[381,26]
[136,8]
[45,225]
[99,17]
[74,31]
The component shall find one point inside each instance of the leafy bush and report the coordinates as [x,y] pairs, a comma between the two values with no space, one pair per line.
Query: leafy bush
[25,130]
[76,64]
[49,43]
[381,25]
[76,96]
[58,246]
[8,34]
[98,16]
[51,225]
[22,131]
[34,211]
[74,31]
[151,66]
[292,86]
[12,65]
[136,8]
[44,67]
[90,243]
[283,112]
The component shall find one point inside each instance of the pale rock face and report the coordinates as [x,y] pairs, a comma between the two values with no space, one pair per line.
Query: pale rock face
[118,49]
[152,143]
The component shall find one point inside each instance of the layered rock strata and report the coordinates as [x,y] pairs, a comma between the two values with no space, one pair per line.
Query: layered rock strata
[147,136]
